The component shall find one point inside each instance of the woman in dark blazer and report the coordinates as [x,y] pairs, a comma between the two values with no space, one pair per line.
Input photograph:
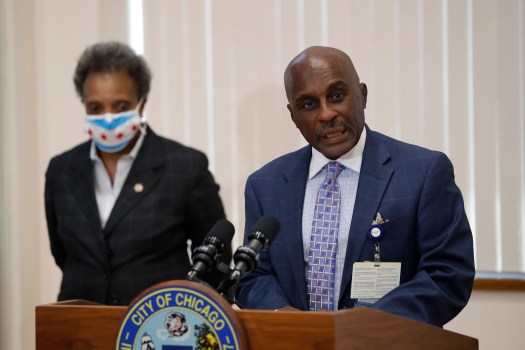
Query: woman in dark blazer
[122,206]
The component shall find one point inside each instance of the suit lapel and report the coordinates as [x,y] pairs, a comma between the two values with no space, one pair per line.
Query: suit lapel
[141,179]
[373,181]
[83,188]
[292,206]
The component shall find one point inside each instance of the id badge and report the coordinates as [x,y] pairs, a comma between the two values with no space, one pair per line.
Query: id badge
[372,280]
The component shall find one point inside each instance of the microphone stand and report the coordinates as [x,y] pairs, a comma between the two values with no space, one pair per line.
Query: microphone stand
[192,276]
[225,287]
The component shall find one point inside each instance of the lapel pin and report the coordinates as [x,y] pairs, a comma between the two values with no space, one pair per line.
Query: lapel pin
[378,220]
[138,187]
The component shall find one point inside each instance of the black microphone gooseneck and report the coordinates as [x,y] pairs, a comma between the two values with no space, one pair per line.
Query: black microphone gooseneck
[246,257]
[205,256]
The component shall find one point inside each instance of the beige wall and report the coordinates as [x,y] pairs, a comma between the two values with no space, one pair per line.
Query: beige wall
[494,318]
[447,75]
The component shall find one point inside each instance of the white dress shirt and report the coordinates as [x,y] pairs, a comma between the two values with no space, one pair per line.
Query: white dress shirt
[348,180]
[105,192]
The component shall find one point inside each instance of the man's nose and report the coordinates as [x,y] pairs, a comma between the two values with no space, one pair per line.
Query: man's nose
[326,112]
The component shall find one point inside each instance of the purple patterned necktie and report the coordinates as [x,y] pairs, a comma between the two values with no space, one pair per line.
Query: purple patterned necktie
[320,273]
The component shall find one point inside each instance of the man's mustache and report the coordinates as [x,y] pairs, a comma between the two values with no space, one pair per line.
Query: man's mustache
[332,124]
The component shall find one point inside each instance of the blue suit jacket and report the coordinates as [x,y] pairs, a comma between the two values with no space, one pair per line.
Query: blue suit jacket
[427,231]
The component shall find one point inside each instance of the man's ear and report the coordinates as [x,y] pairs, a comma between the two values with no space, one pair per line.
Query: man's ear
[364,93]
[291,113]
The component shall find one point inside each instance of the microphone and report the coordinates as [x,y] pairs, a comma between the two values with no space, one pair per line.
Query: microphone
[206,255]
[246,257]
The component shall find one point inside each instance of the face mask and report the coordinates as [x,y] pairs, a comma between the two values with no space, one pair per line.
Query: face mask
[113,132]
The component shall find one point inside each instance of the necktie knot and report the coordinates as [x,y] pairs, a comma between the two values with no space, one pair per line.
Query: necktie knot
[333,169]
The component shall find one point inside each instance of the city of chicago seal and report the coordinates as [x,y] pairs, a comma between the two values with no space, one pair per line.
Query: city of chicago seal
[180,315]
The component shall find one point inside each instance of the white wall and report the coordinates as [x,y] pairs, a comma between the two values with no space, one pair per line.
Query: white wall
[494,318]
[448,75]
[20,215]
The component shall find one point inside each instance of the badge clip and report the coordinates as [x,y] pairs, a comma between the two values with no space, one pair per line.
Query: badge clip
[376,233]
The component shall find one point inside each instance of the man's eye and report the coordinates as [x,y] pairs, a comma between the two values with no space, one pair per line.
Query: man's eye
[308,105]
[338,96]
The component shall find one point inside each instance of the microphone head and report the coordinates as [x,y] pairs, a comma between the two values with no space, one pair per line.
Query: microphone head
[222,230]
[268,226]
[205,255]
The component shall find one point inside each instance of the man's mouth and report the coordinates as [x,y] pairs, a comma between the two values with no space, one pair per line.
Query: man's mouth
[333,134]
[333,130]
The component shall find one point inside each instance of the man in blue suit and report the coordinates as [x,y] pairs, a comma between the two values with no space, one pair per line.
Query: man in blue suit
[406,192]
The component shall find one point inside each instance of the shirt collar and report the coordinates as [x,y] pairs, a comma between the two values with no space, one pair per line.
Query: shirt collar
[351,160]
[93,155]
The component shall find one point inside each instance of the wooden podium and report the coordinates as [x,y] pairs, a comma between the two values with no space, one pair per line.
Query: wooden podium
[82,325]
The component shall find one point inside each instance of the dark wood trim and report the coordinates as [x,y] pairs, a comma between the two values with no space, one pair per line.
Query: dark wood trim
[499,284]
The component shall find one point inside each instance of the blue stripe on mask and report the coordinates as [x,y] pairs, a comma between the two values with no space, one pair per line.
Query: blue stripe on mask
[114,123]
[111,149]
